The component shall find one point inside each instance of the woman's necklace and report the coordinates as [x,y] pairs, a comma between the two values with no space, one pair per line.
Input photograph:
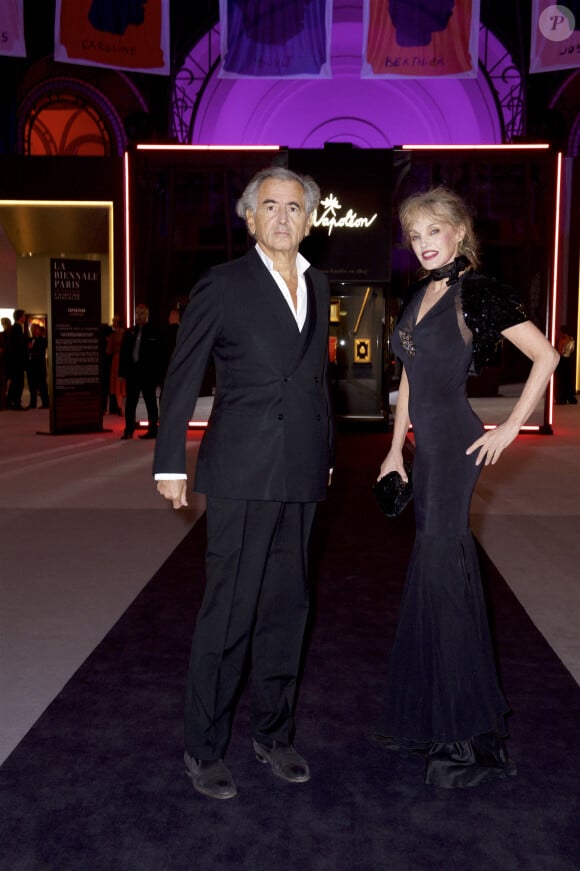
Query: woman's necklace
[450,271]
[441,280]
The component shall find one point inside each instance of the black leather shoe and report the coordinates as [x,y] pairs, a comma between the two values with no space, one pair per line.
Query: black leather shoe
[285,761]
[148,435]
[126,435]
[213,779]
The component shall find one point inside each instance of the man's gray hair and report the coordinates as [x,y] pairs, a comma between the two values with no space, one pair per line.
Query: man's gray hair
[249,198]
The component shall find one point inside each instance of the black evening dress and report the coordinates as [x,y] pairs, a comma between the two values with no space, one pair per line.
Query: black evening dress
[443,699]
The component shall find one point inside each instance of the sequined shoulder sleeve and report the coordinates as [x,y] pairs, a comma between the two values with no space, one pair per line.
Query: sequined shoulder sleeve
[489,307]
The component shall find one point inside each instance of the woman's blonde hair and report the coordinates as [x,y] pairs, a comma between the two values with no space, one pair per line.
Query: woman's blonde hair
[448,207]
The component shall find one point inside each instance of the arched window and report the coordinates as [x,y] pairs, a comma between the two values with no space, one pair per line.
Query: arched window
[69,117]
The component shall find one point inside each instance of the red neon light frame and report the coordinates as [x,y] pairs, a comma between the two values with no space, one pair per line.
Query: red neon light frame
[540,146]
[555,279]
[145,147]
[127,222]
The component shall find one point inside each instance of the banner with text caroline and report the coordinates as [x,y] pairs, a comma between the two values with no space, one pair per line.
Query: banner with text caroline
[123,34]
[412,39]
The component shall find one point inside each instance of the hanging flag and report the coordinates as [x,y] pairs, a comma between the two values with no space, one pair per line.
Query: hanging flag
[555,35]
[125,34]
[12,28]
[275,38]
[420,38]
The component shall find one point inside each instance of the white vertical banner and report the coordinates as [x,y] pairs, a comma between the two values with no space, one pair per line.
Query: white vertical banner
[12,28]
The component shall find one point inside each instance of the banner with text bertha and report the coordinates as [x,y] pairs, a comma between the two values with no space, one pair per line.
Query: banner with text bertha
[417,39]
[75,342]
[555,36]
[125,34]
[275,38]
[12,28]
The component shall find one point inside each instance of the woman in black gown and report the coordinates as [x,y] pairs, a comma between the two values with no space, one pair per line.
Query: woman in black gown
[443,698]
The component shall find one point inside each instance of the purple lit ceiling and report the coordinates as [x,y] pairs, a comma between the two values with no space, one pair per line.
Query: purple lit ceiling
[304,113]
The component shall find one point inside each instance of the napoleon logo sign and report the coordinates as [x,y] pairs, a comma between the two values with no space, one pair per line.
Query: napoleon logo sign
[330,219]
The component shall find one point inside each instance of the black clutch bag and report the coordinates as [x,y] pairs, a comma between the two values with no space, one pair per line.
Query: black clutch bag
[393,494]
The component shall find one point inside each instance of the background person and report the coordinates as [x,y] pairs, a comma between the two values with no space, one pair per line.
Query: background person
[36,367]
[565,386]
[173,320]
[4,349]
[16,360]
[170,337]
[141,364]
[115,384]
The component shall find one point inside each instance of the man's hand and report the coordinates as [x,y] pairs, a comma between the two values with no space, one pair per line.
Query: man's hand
[175,491]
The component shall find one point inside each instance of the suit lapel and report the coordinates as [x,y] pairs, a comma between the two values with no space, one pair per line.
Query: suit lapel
[270,298]
[305,337]
[288,343]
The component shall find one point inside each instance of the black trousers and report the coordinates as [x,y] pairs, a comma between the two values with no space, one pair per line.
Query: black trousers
[37,383]
[16,386]
[141,382]
[254,611]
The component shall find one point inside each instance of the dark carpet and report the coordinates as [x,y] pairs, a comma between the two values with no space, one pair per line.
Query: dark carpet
[98,783]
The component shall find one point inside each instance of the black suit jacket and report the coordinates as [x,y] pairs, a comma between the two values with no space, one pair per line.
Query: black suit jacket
[270,434]
[17,349]
[150,364]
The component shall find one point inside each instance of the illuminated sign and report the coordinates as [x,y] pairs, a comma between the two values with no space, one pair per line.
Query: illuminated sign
[351,231]
[330,220]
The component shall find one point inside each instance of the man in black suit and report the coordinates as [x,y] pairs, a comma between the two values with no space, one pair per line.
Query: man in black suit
[36,367]
[17,355]
[264,463]
[141,364]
